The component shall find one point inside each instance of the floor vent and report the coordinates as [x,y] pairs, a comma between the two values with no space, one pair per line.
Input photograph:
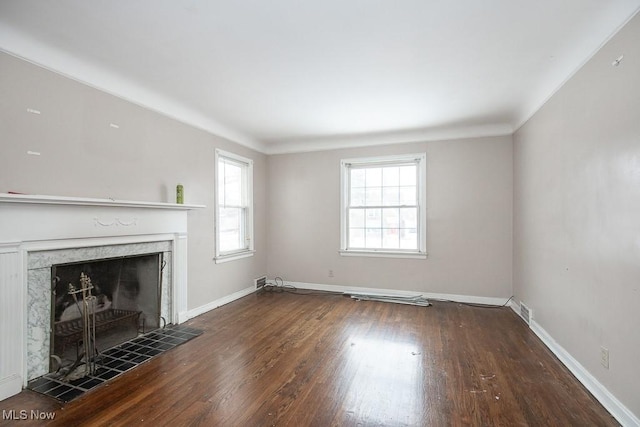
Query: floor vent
[260,282]
[525,313]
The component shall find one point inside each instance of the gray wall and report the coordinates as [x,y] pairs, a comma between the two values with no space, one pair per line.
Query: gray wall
[577,215]
[83,156]
[469,211]
[468,191]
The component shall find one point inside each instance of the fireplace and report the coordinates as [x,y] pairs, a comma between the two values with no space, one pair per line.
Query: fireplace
[122,297]
[134,279]
[46,241]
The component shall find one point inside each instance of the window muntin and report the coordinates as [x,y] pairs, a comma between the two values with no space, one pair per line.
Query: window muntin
[383,205]
[233,205]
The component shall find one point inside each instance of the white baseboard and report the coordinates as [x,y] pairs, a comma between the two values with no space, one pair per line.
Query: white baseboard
[217,303]
[184,316]
[375,291]
[10,386]
[620,412]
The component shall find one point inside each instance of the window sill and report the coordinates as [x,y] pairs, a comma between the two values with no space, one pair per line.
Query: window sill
[232,257]
[385,254]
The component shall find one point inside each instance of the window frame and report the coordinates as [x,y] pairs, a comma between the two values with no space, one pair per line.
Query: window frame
[247,188]
[420,159]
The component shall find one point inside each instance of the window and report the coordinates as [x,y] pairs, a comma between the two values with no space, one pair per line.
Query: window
[383,206]
[234,207]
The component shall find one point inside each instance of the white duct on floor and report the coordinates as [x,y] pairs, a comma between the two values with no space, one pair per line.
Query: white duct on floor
[418,300]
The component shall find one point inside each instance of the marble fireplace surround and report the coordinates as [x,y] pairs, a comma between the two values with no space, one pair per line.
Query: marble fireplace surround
[39,231]
[39,297]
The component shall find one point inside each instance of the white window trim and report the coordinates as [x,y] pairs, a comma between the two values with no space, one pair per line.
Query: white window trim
[421,253]
[243,253]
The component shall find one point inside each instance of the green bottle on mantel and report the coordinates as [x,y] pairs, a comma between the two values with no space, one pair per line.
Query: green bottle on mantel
[179,194]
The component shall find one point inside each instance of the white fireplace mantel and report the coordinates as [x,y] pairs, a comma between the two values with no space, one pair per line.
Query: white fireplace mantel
[30,223]
[83,201]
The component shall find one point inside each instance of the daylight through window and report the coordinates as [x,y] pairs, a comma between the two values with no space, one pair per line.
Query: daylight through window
[234,206]
[383,205]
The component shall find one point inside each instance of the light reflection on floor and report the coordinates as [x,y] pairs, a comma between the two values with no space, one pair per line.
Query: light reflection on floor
[390,374]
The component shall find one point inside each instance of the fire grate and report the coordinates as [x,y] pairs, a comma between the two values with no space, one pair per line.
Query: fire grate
[114,362]
[70,331]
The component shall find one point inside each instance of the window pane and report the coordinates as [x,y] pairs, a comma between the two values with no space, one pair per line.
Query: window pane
[356,218]
[221,194]
[230,241]
[373,218]
[356,238]
[373,238]
[374,177]
[391,238]
[233,184]
[229,219]
[408,218]
[408,175]
[407,195]
[357,178]
[390,196]
[357,197]
[391,177]
[231,225]
[378,188]
[408,238]
[233,231]
[374,196]
[391,218]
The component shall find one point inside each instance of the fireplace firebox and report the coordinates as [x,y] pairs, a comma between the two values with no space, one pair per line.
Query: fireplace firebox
[125,299]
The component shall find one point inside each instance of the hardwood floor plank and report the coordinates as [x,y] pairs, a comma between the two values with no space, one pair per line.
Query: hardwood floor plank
[318,360]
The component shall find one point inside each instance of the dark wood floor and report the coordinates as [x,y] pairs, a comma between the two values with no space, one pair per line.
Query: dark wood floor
[294,360]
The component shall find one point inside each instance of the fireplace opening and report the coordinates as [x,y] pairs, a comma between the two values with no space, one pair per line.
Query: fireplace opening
[122,297]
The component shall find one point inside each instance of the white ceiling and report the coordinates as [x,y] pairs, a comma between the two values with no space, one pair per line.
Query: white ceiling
[298,75]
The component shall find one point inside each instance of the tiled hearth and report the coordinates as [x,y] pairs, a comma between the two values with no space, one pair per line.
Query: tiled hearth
[114,362]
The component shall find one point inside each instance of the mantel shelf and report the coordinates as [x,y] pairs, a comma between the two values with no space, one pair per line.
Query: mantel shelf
[82,201]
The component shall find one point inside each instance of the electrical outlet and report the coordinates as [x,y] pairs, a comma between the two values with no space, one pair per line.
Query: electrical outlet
[330,273]
[604,357]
